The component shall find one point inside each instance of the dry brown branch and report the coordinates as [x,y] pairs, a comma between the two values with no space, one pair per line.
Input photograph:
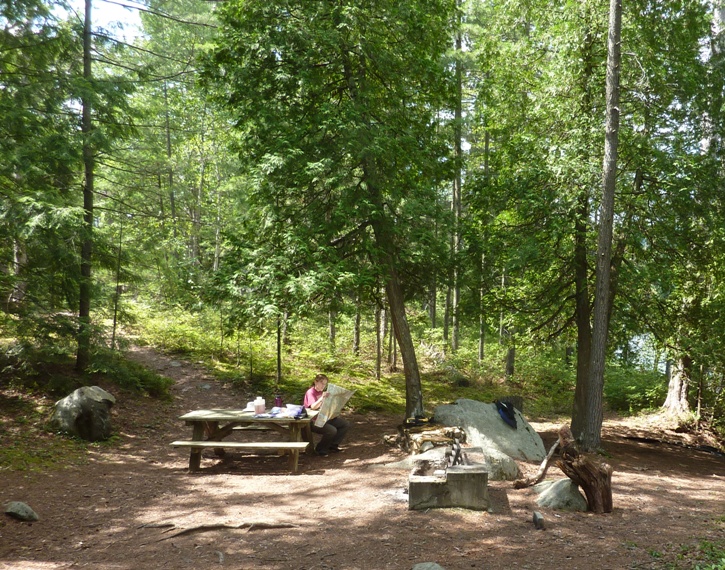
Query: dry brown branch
[540,474]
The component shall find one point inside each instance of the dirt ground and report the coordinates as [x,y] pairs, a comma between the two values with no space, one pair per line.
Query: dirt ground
[129,506]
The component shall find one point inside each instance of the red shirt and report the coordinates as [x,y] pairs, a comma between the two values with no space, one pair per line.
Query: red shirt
[311,396]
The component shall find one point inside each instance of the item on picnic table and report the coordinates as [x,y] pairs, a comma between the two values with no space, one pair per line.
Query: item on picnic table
[259,406]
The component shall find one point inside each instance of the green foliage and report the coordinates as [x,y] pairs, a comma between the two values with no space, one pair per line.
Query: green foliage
[706,555]
[44,368]
[630,390]
[714,554]
[128,375]
[175,330]
[227,229]
[49,370]
[542,376]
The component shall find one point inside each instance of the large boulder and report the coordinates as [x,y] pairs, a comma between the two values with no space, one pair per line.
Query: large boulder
[501,444]
[86,413]
[562,494]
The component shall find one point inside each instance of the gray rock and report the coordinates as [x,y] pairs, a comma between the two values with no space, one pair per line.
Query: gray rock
[501,467]
[428,566]
[85,413]
[562,494]
[501,444]
[538,519]
[21,511]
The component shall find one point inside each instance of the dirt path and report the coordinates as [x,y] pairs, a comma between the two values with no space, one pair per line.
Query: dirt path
[125,508]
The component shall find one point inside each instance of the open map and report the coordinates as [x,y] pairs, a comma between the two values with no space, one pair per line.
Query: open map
[333,404]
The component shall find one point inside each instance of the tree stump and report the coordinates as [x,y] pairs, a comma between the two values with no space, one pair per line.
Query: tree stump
[591,474]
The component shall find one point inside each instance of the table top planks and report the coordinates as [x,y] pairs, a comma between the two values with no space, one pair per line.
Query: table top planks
[231,415]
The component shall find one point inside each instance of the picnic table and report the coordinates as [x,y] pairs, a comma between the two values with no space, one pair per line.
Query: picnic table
[211,427]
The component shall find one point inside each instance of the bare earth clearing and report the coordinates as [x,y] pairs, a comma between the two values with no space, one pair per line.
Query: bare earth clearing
[127,507]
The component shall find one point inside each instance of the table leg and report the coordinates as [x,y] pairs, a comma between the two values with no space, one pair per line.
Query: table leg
[293,460]
[298,432]
[308,438]
[195,456]
[213,433]
[294,432]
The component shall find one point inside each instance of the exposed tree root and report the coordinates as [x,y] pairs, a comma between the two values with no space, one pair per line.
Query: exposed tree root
[207,527]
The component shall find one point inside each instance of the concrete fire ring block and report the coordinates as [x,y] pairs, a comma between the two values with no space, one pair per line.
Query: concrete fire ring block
[464,486]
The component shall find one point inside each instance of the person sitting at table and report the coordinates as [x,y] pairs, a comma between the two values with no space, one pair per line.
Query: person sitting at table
[334,430]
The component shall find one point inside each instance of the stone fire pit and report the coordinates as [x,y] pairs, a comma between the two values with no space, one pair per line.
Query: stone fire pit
[439,485]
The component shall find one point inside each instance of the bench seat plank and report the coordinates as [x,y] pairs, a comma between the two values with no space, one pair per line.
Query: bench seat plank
[284,445]
[291,447]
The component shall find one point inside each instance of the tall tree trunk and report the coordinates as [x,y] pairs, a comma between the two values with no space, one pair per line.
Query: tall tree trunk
[278,376]
[456,202]
[285,328]
[676,403]
[583,310]
[218,222]
[378,341]
[393,354]
[197,210]
[481,315]
[384,331]
[500,315]
[591,436]
[396,302]
[84,306]
[20,285]
[510,359]
[447,313]
[432,303]
[170,168]
[117,296]
[582,316]
[356,327]
[332,322]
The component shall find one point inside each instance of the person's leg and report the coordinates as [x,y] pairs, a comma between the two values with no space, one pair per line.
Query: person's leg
[341,425]
[329,432]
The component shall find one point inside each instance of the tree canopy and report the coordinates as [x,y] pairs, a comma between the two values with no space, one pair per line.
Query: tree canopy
[306,160]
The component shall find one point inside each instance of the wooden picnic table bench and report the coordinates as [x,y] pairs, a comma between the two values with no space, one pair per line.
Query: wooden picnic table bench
[210,427]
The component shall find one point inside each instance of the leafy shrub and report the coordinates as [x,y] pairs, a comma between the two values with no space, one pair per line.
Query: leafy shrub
[630,390]
[129,375]
[42,368]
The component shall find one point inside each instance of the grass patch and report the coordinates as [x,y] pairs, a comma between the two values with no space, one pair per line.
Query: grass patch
[128,375]
[544,377]
[25,444]
[34,378]
[705,555]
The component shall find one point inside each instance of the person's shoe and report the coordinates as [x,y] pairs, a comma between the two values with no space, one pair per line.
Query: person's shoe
[335,449]
[322,452]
